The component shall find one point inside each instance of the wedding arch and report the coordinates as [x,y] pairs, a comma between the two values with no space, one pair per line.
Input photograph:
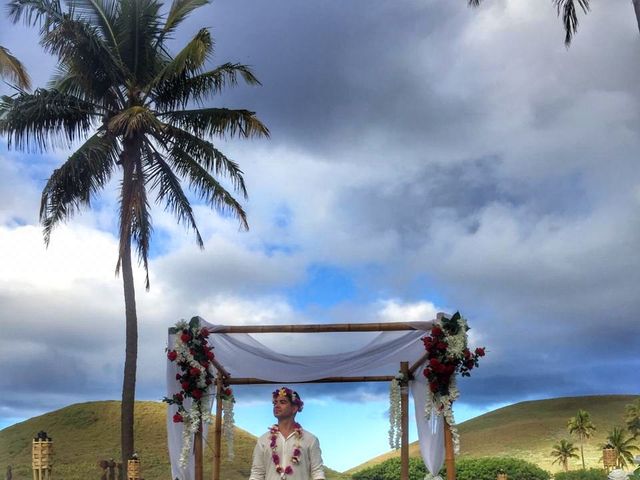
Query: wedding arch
[394,354]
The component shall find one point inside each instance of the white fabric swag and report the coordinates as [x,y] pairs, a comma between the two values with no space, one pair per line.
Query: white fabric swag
[244,356]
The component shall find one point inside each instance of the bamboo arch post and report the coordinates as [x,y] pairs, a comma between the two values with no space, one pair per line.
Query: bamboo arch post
[404,418]
[217,442]
[197,446]
[449,456]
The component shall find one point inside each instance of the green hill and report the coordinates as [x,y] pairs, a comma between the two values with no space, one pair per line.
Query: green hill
[528,430]
[85,433]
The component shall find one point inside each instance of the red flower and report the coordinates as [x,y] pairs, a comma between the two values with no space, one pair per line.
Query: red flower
[275,458]
[172,355]
[480,351]
[434,362]
[194,372]
[228,391]
[185,337]
[178,397]
[177,418]
[296,452]
[204,332]
[185,385]
[210,355]
[441,346]
[288,470]
[178,376]
[467,353]
[436,331]
[433,386]
[197,394]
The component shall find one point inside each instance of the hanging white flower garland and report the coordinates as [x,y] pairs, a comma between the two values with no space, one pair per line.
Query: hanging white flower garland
[228,421]
[395,416]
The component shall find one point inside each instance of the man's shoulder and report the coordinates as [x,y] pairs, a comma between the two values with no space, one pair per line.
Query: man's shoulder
[310,436]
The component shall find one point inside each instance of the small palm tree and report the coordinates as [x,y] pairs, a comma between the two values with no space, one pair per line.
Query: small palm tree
[623,444]
[582,426]
[569,12]
[632,418]
[564,451]
[12,68]
[136,107]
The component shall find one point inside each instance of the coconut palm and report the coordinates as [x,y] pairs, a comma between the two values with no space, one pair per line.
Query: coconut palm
[563,452]
[582,426]
[569,12]
[12,68]
[632,418]
[120,91]
[623,444]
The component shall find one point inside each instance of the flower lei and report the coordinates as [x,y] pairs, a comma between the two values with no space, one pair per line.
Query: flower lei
[228,422]
[448,354]
[193,356]
[395,416]
[295,458]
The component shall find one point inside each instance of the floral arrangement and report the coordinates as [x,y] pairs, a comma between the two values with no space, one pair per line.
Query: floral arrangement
[395,418]
[448,354]
[193,356]
[295,457]
[228,422]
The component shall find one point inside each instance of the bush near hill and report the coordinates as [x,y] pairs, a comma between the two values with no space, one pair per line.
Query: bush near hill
[590,474]
[466,469]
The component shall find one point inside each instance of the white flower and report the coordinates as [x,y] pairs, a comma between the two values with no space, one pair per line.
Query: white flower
[395,416]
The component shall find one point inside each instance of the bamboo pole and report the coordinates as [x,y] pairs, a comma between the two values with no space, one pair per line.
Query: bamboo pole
[404,409]
[217,439]
[258,381]
[449,457]
[320,327]
[197,445]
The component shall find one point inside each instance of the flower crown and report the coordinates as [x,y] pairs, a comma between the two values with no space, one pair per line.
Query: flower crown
[291,395]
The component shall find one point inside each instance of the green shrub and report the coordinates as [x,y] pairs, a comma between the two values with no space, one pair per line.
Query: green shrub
[466,469]
[591,474]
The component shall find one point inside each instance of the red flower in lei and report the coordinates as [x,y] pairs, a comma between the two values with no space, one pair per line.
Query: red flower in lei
[295,458]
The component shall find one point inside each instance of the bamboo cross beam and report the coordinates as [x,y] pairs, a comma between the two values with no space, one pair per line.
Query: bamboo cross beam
[323,327]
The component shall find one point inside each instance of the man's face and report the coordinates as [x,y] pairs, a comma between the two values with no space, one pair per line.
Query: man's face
[283,408]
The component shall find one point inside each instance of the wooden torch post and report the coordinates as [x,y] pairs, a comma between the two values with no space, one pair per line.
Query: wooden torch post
[217,441]
[449,457]
[404,417]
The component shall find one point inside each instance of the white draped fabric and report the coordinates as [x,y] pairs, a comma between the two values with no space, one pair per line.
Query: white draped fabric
[244,356]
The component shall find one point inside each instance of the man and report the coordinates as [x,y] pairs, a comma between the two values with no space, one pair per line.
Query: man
[286,451]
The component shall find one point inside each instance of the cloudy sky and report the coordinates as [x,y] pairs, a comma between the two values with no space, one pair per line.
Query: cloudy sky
[424,157]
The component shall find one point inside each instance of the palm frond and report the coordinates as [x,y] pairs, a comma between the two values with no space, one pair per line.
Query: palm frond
[473,3]
[567,9]
[218,122]
[137,26]
[102,13]
[13,69]
[207,187]
[179,91]
[205,153]
[188,61]
[45,13]
[179,10]
[169,190]
[134,121]
[45,118]
[84,54]
[74,184]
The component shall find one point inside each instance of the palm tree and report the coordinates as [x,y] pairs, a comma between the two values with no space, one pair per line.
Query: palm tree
[632,418]
[581,425]
[562,452]
[569,13]
[11,68]
[621,442]
[132,102]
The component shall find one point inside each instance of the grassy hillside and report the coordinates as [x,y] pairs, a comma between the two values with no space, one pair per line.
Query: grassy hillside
[528,430]
[88,432]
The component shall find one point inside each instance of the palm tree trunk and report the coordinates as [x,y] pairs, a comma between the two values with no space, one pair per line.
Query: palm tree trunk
[636,7]
[582,452]
[131,339]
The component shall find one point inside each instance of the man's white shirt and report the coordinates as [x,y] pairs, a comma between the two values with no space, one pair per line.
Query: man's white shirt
[310,466]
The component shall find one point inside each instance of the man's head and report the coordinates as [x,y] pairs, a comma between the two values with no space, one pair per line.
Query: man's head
[286,403]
